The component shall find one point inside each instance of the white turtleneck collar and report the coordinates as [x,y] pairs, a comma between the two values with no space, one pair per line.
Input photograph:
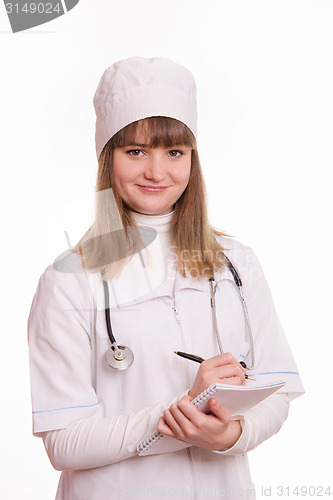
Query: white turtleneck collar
[161,223]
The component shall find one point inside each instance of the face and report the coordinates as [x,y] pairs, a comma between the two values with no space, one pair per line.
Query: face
[150,181]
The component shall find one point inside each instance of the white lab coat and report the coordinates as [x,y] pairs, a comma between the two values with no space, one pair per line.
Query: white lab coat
[71,381]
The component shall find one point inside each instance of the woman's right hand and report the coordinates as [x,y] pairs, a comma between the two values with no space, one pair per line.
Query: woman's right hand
[223,368]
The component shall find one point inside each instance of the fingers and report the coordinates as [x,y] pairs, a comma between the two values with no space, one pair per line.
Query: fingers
[181,420]
[220,360]
[222,368]
[167,424]
[231,380]
[185,422]
[183,411]
[177,420]
[219,410]
[163,427]
[226,364]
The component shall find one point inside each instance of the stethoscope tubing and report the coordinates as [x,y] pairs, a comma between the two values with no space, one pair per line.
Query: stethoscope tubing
[237,282]
[214,316]
[246,317]
[107,313]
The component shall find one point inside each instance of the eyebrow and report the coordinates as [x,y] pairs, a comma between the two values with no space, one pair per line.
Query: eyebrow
[138,145]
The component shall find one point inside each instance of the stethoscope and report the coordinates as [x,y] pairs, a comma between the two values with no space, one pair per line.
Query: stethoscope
[121,357]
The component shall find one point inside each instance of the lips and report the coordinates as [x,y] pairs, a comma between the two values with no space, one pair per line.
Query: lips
[153,189]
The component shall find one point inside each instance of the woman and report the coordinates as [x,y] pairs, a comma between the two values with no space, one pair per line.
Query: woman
[158,282]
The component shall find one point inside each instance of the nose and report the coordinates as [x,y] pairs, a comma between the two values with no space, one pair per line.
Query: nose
[155,169]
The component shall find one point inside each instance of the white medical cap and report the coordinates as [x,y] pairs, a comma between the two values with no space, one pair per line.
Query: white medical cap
[137,88]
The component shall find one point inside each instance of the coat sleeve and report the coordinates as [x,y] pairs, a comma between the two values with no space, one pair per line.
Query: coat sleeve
[96,442]
[59,327]
[260,423]
[66,410]
[273,358]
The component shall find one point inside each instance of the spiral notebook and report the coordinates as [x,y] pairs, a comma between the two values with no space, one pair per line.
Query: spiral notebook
[237,399]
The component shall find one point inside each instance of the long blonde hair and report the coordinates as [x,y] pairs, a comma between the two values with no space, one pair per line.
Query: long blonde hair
[113,235]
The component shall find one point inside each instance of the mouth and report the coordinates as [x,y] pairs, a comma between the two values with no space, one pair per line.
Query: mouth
[153,189]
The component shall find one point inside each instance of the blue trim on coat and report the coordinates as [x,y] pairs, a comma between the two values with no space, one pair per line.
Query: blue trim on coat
[65,408]
[271,373]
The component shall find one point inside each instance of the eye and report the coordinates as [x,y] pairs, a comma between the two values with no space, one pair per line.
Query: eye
[134,152]
[175,153]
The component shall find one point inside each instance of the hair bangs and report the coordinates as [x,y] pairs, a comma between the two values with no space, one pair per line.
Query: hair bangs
[154,132]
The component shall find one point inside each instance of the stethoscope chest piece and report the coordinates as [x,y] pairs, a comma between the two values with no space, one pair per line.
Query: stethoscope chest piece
[119,358]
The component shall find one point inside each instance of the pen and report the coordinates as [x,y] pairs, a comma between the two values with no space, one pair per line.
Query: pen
[198,359]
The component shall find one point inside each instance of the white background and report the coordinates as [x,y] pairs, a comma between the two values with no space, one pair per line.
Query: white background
[264,76]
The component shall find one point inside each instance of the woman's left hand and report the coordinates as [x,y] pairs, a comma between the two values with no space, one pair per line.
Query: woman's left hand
[184,421]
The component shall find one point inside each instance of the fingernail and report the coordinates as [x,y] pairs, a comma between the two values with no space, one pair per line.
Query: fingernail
[213,402]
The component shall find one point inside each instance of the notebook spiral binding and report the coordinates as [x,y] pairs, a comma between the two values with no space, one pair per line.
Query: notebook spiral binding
[205,395]
[147,443]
